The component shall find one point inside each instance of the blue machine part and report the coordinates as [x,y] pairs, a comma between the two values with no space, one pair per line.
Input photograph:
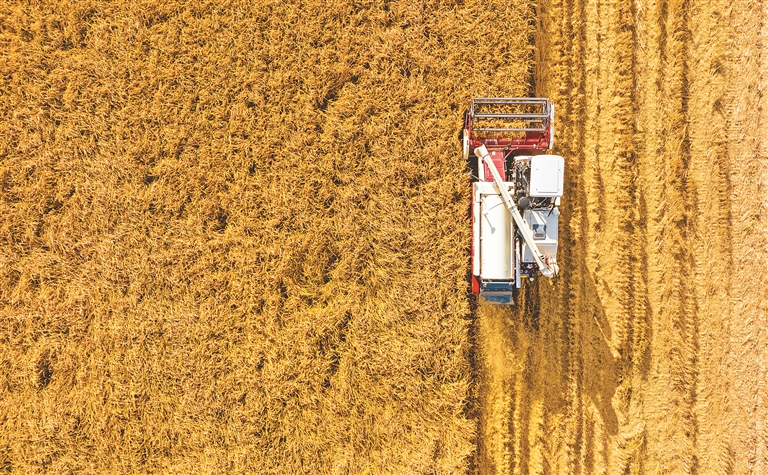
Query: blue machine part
[500,293]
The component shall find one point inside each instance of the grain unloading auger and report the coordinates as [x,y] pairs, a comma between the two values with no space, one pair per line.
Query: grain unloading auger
[516,192]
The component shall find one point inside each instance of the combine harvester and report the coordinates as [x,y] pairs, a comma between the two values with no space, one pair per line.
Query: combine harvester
[516,192]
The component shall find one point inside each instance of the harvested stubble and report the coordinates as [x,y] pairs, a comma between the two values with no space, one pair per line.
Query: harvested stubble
[234,233]
[648,354]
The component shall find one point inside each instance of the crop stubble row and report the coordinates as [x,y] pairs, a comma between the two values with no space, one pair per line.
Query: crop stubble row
[655,333]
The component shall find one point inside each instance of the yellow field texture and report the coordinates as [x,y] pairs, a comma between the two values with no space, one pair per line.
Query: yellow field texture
[649,354]
[233,234]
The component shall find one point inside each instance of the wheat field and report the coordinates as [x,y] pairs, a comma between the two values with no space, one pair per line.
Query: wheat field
[234,239]
[233,233]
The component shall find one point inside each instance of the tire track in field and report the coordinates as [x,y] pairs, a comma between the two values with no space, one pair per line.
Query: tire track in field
[571,146]
[547,381]
[498,395]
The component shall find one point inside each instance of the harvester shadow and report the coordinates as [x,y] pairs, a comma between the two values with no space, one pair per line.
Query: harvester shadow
[600,363]
[540,362]
[567,371]
[552,357]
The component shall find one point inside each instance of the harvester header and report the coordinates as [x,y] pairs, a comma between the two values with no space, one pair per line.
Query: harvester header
[523,123]
[516,192]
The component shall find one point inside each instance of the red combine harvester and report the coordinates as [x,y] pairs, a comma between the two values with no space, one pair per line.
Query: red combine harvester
[516,192]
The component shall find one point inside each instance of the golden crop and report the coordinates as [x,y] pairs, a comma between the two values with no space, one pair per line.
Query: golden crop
[234,239]
[234,234]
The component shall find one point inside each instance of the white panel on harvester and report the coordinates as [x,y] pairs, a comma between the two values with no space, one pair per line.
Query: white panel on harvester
[546,176]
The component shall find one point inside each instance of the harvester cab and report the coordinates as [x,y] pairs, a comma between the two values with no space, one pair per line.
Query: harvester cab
[516,192]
